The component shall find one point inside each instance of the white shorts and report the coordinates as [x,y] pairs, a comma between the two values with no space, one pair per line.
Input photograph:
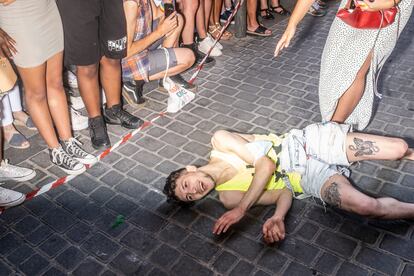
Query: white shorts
[315,152]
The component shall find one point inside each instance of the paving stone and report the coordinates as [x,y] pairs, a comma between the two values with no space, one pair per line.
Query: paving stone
[199,248]
[8,243]
[102,194]
[53,245]
[39,205]
[72,201]
[147,158]
[34,265]
[79,232]
[13,215]
[100,246]
[197,148]
[127,262]
[121,205]
[245,247]
[369,257]
[307,231]
[141,242]
[39,235]
[328,219]
[4,269]
[70,258]
[211,207]
[242,268]
[131,188]
[351,269]
[84,184]
[165,256]
[88,267]
[19,255]
[360,232]
[167,167]
[396,227]
[408,270]
[147,220]
[26,225]
[398,246]
[186,264]
[337,243]
[224,261]
[143,175]
[327,263]
[59,219]
[112,178]
[401,193]
[173,234]
[272,260]
[106,223]
[53,271]
[296,269]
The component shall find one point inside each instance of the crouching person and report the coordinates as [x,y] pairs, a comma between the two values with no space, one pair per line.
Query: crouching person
[249,170]
[153,53]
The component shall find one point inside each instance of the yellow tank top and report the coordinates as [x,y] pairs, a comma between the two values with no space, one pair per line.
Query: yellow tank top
[243,179]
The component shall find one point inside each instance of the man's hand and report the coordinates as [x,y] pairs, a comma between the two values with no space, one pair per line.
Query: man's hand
[168,24]
[7,45]
[6,2]
[274,230]
[228,219]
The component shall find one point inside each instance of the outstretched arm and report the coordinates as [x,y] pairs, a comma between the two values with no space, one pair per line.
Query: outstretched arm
[264,167]
[274,227]
[301,8]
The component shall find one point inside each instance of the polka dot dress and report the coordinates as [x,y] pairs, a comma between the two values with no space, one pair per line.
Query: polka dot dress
[345,51]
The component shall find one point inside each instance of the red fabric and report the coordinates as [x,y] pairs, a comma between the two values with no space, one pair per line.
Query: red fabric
[360,19]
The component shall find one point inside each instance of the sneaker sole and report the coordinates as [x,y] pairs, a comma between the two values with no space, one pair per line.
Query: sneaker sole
[162,89]
[224,21]
[72,172]
[123,125]
[87,161]
[20,179]
[15,203]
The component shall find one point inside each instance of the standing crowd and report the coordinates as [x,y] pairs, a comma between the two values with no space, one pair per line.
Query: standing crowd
[110,49]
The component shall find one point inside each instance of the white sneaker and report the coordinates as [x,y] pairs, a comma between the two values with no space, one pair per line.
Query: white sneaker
[204,46]
[79,121]
[218,44]
[15,173]
[71,80]
[72,147]
[76,102]
[10,198]
[179,96]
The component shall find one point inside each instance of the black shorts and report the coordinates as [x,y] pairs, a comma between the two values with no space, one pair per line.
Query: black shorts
[92,29]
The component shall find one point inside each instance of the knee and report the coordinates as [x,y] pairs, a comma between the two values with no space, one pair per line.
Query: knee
[368,208]
[35,95]
[89,71]
[110,62]
[400,147]
[190,58]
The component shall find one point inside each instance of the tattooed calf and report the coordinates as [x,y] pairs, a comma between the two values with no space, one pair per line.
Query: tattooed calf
[363,147]
[332,196]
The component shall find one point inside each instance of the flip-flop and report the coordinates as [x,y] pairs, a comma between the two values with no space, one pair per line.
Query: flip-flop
[260,31]
[28,123]
[17,140]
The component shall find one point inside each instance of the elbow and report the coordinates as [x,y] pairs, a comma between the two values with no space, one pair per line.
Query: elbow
[269,165]
[217,137]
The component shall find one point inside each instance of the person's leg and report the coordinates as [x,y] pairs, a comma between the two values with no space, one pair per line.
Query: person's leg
[361,146]
[88,82]
[338,192]
[209,9]
[252,23]
[189,10]
[56,96]
[19,116]
[13,137]
[184,59]
[110,73]
[351,97]
[34,81]
[200,20]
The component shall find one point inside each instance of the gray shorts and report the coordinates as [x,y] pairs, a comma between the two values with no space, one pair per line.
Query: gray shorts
[317,152]
[156,56]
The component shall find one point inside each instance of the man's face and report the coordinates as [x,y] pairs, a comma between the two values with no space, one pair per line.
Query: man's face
[193,185]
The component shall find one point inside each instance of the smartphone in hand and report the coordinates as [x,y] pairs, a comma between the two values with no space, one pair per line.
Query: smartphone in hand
[168,9]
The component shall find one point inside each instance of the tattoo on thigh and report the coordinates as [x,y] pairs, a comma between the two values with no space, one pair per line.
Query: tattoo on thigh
[332,196]
[362,147]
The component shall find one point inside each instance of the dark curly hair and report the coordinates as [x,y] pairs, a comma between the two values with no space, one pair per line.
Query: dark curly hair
[169,188]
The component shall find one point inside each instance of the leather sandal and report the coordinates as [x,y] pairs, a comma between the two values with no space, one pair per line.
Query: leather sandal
[279,10]
[267,15]
[215,30]
[260,31]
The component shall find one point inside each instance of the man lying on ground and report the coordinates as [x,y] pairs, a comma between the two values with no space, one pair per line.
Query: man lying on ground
[249,170]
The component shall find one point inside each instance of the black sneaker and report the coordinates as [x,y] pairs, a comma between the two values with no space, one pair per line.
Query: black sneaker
[225,16]
[199,56]
[115,115]
[178,79]
[67,163]
[132,92]
[98,133]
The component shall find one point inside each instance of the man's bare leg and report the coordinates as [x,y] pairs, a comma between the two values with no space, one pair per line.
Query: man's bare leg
[339,192]
[361,146]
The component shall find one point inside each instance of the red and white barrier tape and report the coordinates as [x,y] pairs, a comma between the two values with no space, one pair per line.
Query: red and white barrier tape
[67,178]
[200,66]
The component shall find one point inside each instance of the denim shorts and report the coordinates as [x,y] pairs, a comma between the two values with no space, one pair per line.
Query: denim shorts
[317,152]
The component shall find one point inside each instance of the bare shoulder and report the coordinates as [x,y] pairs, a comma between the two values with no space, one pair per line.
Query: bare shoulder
[230,199]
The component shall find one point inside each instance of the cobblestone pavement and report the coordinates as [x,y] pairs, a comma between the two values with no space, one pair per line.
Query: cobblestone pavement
[69,230]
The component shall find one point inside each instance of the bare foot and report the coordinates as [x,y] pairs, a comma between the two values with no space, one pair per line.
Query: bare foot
[409,154]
